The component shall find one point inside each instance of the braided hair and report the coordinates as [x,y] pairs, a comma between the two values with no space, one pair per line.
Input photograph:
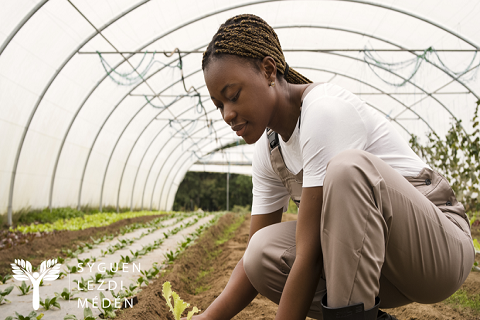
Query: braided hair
[249,36]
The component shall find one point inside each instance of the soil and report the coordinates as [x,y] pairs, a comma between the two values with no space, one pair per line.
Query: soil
[208,267]
[50,246]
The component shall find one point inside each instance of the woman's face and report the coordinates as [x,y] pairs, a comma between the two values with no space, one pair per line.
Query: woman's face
[242,93]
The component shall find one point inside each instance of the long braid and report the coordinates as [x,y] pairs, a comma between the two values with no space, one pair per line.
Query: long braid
[250,36]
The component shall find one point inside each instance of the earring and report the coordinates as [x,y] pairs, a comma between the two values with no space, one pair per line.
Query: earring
[272,84]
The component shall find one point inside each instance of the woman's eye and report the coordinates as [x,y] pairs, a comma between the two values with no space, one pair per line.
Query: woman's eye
[236,97]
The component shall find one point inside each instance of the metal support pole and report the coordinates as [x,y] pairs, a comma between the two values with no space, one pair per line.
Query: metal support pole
[228,187]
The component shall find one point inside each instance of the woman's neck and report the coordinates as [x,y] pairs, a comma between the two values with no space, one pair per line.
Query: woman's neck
[287,109]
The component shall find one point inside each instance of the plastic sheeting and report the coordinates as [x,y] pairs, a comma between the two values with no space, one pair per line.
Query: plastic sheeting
[73,135]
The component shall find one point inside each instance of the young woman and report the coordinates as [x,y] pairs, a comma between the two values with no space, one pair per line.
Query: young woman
[376,226]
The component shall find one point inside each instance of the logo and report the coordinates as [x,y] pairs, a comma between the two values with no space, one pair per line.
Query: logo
[49,271]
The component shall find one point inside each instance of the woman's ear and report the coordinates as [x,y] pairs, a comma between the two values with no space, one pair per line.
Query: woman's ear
[269,68]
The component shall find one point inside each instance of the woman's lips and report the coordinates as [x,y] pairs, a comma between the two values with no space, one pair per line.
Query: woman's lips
[240,129]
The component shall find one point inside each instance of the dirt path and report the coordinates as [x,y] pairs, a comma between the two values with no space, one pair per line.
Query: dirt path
[206,268]
[50,246]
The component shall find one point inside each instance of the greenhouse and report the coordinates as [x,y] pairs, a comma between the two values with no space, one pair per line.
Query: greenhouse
[105,110]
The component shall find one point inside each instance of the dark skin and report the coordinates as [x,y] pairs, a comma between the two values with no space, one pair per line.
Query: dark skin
[242,93]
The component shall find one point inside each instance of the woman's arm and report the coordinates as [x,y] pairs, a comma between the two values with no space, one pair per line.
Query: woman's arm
[302,281]
[239,292]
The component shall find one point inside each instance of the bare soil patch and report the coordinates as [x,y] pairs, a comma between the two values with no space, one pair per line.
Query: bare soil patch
[202,272]
[50,246]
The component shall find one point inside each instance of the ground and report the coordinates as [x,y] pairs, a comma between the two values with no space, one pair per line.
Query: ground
[217,262]
[202,271]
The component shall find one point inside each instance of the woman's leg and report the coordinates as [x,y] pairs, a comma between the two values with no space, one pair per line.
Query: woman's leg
[375,222]
[268,260]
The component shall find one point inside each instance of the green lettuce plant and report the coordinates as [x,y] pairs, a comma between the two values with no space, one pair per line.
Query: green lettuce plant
[178,305]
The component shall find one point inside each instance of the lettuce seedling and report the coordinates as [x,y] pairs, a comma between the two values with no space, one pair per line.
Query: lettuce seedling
[24,288]
[87,315]
[32,316]
[66,295]
[4,279]
[179,305]
[49,303]
[4,293]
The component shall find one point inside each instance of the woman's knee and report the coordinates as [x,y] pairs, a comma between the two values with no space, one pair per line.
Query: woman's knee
[346,162]
[253,256]
[347,167]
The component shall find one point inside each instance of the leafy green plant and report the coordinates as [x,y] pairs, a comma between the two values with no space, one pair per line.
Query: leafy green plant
[71,254]
[130,291]
[79,222]
[457,157]
[108,311]
[82,284]
[5,293]
[72,269]
[84,261]
[98,277]
[113,270]
[178,305]
[66,295]
[142,280]
[170,256]
[4,279]
[48,303]
[24,288]
[31,316]
[87,315]
[151,273]
[126,259]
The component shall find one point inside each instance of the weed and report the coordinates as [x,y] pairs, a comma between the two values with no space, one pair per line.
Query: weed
[463,299]
[229,232]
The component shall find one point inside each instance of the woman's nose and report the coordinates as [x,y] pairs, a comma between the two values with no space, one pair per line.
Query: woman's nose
[229,114]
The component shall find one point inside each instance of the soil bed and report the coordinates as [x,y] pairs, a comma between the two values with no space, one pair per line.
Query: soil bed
[202,272]
[50,246]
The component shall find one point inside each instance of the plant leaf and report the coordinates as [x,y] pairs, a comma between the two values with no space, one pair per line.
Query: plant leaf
[191,313]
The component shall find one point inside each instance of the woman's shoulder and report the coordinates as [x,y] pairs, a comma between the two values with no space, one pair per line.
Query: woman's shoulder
[332,92]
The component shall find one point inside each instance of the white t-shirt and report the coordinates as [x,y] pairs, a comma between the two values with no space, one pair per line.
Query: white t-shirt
[332,120]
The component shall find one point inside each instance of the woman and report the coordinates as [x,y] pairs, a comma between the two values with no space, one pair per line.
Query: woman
[376,226]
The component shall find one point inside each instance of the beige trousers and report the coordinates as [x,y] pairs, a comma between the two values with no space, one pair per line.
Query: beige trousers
[404,240]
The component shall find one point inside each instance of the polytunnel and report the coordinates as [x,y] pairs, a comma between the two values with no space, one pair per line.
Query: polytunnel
[103,103]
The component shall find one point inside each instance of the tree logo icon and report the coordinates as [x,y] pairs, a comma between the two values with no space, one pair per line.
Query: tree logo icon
[49,271]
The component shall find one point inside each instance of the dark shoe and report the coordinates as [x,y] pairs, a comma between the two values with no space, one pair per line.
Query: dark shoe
[354,312]
[385,316]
